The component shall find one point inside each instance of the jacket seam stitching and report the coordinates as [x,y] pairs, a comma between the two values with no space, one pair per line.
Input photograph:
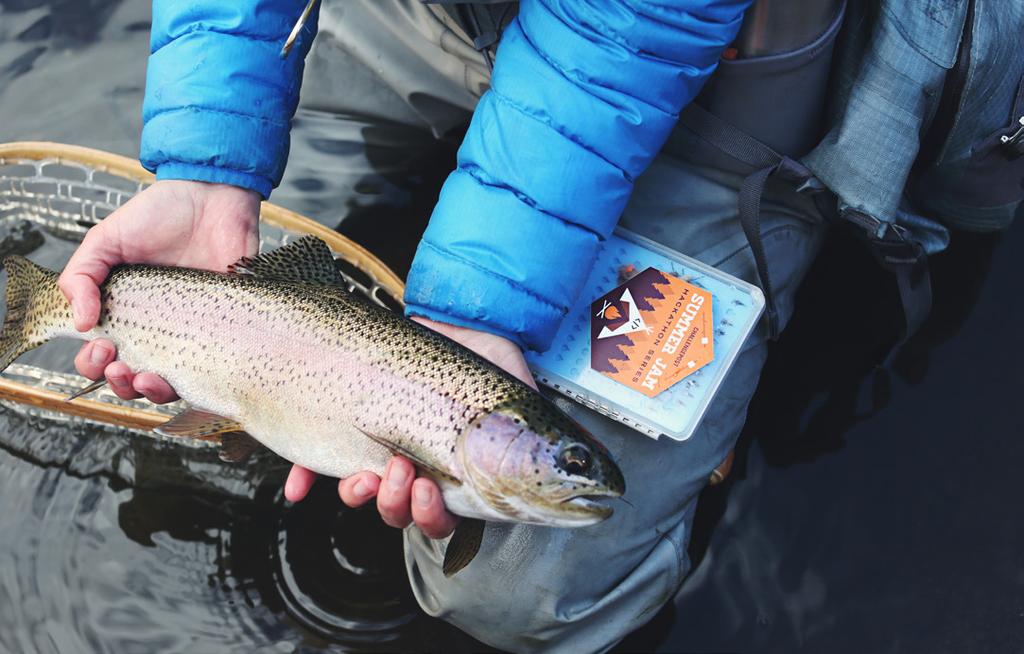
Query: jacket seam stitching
[200,28]
[199,109]
[580,80]
[418,309]
[511,283]
[604,28]
[182,162]
[526,200]
[546,120]
[657,12]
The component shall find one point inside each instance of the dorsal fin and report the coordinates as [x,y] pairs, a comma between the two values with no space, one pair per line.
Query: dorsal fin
[307,260]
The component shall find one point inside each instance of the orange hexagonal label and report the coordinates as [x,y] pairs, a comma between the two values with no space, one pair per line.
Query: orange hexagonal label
[652,331]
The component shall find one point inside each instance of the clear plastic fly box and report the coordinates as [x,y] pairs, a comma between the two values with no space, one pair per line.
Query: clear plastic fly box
[652,337]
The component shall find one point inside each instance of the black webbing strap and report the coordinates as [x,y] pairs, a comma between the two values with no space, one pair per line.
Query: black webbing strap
[750,219]
[751,191]
[731,140]
[890,243]
[896,252]
[760,162]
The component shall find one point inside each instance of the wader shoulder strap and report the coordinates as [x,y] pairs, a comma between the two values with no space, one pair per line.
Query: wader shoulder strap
[759,162]
[890,244]
[728,139]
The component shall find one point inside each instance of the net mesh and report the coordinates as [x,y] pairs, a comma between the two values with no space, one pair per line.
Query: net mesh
[65,199]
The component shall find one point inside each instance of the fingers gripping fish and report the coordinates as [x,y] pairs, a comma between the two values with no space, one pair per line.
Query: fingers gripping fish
[277,352]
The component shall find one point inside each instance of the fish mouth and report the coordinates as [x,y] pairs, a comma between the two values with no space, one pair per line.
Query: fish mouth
[588,507]
[585,504]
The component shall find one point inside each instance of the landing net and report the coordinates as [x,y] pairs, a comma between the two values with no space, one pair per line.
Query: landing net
[62,191]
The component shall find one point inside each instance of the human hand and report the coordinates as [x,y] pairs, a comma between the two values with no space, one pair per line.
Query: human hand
[172,223]
[401,497]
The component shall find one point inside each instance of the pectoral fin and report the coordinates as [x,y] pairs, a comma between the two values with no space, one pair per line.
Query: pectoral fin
[193,423]
[463,545]
[430,467]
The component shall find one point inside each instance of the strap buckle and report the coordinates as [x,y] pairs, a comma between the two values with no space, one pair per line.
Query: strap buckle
[891,244]
[896,248]
[1014,142]
[897,252]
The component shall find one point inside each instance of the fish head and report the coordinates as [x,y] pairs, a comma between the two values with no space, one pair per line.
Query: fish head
[532,463]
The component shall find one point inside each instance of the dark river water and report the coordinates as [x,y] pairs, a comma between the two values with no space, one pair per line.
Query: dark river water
[868,510]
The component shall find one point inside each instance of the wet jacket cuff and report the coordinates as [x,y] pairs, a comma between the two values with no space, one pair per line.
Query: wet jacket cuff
[219,96]
[445,287]
[215,175]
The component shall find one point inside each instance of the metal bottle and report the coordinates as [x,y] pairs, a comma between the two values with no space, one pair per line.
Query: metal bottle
[772,84]
[774,26]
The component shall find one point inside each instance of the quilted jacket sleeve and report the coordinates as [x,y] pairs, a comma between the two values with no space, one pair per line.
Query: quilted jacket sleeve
[584,94]
[219,97]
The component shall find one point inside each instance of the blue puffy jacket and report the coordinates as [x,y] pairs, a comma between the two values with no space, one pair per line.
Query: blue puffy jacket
[583,96]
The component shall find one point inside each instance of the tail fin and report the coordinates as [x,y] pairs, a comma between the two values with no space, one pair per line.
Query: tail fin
[36,309]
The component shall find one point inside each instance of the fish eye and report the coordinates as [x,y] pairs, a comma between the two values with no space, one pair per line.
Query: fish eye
[574,459]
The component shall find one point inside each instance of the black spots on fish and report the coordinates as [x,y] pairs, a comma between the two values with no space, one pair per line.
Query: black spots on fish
[455,384]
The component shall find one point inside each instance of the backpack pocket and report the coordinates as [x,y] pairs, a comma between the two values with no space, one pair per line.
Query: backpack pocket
[982,191]
[970,172]
[994,174]
[778,99]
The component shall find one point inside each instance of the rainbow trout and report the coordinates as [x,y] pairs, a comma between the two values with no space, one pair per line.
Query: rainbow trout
[277,352]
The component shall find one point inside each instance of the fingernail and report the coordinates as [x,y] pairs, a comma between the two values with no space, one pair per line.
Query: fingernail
[396,477]
[118,382]
[361,489]
[98,353]
[423,495]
